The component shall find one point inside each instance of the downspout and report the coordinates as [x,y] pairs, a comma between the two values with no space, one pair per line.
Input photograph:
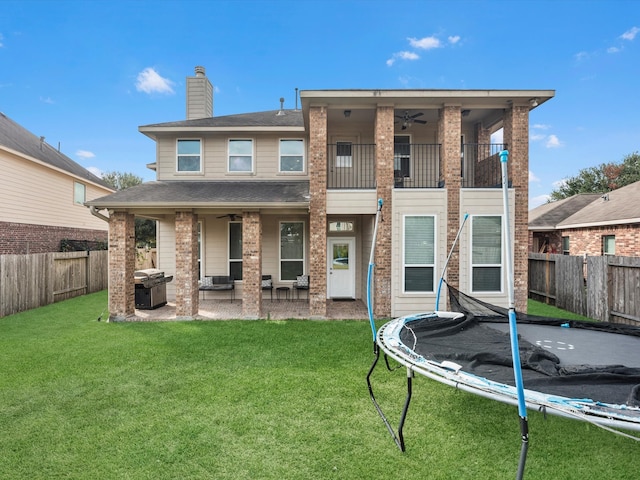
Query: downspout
[95,212]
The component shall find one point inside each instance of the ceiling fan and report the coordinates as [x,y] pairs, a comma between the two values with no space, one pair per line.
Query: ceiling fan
[232,216]
[407,120]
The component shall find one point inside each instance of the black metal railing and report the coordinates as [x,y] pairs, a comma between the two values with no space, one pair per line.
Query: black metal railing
[417,166]
[351,165]
[480,165]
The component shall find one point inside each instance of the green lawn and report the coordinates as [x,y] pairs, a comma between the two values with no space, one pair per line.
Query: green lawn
[82,399]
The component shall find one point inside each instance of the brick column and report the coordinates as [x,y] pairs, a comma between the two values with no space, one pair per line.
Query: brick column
[516,136]
[122,257]
[318,211]
[449,131]
[251,265]
[186,277]
[384,132]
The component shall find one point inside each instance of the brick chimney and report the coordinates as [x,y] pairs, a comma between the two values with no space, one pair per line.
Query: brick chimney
[199,96]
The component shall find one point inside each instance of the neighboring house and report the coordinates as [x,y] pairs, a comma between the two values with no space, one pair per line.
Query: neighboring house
[289,192]
[589,224]
[42,195]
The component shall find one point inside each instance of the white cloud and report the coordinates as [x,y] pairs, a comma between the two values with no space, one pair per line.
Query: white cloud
[426,43]
[536,137]
[149,81]
[541,126]
[532,177]
[402,56]
[454,39]
[553,142]
[580,56]
[1,38]
[559,183]
[47,100]
[613,50]
[96,171]
[537,201]
[85,154]
[628,35]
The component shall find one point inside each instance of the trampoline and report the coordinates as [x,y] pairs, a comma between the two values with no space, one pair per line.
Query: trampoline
[583,370]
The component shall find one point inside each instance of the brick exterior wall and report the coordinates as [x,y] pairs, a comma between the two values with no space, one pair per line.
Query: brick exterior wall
[186,278]
[384,139]
[318,212]
[516,136]
[251,265]
[589,240]
[449,132]
[24,238]
[122,256]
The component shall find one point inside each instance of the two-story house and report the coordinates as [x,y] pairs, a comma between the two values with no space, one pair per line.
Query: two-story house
[295,191]
[42,195]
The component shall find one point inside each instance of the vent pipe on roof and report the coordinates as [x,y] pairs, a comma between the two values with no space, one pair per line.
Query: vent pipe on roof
[281,111]
[296,99]
[41,142]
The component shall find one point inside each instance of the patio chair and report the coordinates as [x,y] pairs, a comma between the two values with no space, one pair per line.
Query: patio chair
[267,284]
[301,283]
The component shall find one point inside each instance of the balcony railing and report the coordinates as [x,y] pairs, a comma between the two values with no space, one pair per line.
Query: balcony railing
[480,165]
[351,166]
[417,166]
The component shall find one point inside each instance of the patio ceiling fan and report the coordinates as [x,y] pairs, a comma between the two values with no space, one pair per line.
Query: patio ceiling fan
[232,216]
[407,120]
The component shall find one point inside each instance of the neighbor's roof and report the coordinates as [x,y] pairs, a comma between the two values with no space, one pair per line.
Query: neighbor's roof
[547,216]
[272,120]
[621,206]
[194,194]
[18,139]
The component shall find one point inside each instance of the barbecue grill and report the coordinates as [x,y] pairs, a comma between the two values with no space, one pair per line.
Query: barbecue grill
[151,288]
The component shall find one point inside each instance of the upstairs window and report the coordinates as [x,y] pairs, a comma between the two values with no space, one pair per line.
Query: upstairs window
[486,254]
[79,193]
[189,155]
[241,155]
[344,157]
[419,253]
[292,155]
[609,245]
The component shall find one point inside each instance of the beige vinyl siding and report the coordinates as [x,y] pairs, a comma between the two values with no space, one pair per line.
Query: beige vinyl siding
[214,148]
[166,247]
[416,202]
[482,201]
[351,202]
[35,194]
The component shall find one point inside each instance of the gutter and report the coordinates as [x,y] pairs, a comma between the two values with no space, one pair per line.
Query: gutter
[96,213]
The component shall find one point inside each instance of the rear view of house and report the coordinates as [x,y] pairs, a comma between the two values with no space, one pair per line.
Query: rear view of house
[292,194]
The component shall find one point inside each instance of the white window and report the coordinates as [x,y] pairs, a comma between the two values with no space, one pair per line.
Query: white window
[292,155]
[79,193]
[291,250]
[609,245]
[189,155]
[235,250]
[419,253]
[486,253]
[241,155]
[344,155]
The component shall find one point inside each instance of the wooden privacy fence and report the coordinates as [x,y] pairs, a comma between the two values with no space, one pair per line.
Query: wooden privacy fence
[30,281]
[604,288]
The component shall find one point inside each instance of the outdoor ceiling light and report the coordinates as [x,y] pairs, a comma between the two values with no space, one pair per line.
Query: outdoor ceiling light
[347,113]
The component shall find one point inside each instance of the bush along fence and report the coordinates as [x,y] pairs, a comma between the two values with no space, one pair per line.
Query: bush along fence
[604,288]
[35,280]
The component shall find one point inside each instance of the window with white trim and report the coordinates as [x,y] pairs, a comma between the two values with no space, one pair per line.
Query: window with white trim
[235,250]
[291,250]
[609,245]
[565,246]
[419,253]
[291,155]
[486,253]
[241,155]
[188,155]
[79,193]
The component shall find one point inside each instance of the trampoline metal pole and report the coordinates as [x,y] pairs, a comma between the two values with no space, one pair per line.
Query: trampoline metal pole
[444,269]
[370,270]
[513,329]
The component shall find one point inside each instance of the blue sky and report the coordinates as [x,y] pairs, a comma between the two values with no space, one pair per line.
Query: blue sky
[86,74]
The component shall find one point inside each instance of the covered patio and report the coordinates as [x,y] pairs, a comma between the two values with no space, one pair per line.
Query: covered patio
[223,309]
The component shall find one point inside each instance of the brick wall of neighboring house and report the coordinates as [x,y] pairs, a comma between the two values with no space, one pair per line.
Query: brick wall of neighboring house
[545,242]
[589,240]
[23,238]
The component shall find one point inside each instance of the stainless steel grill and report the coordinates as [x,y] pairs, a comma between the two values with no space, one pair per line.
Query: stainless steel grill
[151,288]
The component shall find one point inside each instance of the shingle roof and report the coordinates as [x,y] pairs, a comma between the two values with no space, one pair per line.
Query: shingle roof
[547,216]
[291,118]
[619,206]
[19,139]
[208,193]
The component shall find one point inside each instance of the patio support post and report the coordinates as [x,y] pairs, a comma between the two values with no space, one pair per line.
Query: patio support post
[122,255]
[449,132]
[384,139]
[187,300]
[318,211]
[516,136]
[251,265]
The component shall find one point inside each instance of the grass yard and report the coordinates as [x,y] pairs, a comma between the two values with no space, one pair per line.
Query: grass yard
[82,399]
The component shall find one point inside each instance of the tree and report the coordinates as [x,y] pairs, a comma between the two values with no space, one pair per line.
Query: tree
[145,228]
[600,179]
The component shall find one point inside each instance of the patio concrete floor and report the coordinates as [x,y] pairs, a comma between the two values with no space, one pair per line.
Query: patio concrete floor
[271,309]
